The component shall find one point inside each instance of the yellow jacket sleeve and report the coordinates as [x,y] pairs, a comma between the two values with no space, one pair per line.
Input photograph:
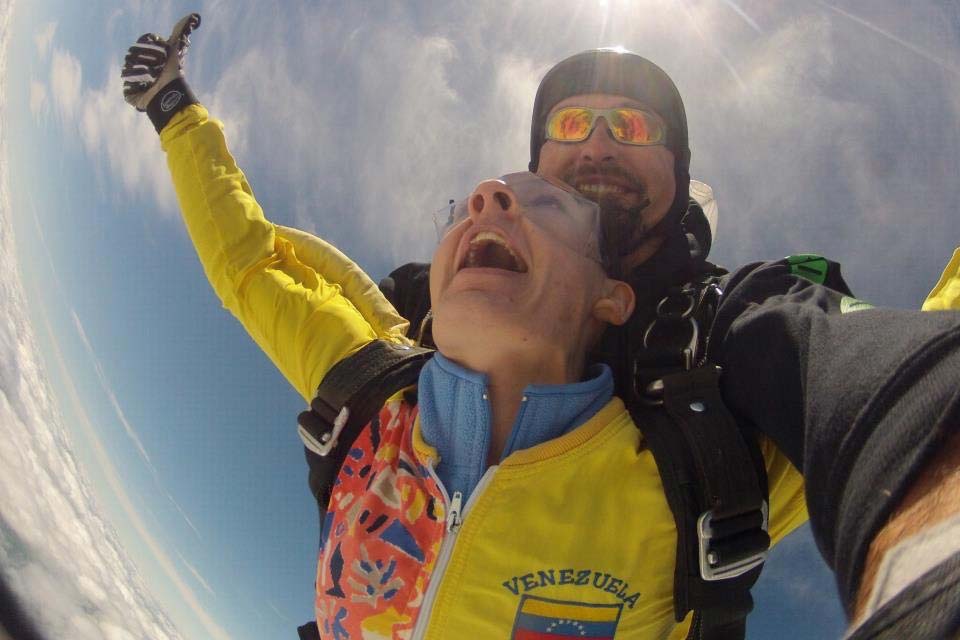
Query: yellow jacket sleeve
[301,300]
[946,295]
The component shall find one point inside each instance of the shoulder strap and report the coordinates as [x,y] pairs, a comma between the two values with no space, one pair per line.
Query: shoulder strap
[713,476]
[309,631]
[348,398]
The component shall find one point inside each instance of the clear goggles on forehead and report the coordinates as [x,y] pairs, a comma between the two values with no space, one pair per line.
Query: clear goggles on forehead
[553,206]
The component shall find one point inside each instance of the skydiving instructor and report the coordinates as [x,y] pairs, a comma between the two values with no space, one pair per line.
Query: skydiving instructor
[292,292]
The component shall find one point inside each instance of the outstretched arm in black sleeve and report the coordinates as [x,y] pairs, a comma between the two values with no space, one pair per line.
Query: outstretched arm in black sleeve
[861,400]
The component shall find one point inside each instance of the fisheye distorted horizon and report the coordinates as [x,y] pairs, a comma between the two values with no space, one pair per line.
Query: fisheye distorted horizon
[151,478]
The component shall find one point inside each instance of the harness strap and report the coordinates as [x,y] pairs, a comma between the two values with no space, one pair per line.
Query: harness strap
[351,393]
[713,477]
[710,479]
[309,631]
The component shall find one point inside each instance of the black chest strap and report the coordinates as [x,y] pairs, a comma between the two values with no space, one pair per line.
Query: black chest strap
[352,392]
[713,475]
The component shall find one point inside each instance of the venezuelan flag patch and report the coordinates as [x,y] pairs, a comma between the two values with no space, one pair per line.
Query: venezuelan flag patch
[544,619]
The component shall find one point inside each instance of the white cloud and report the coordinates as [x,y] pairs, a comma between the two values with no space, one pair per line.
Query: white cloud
[57,552]
[364,147]
[158,553]
[115,404]
[277,611]
[38,98]
[357,126]
[108,390]
[197,576]
[112,131]
[378,156]
[6,14]
[109,129]
[66,78]
[895,39]
[43,39]
[836,142]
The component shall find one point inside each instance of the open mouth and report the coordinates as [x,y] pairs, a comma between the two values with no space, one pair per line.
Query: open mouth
[490,250]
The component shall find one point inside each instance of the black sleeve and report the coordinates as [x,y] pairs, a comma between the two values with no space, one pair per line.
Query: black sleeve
[408,290]
[857,398]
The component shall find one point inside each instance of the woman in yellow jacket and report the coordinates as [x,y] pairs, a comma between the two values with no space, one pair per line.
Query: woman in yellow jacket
[511,547]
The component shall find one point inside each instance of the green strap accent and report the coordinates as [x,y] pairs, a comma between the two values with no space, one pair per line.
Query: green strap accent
[810,266]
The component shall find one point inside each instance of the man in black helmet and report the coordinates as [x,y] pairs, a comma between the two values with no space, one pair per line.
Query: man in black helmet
[612,125]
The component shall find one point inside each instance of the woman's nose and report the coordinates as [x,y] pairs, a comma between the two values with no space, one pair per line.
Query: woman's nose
[492,197]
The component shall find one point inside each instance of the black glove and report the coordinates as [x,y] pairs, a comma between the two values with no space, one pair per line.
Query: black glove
[152,73]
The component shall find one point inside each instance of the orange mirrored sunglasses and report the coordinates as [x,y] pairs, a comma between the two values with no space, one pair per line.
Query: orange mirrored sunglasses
[629,126]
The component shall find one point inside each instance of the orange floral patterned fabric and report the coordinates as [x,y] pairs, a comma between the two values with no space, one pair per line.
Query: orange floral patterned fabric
[381,536]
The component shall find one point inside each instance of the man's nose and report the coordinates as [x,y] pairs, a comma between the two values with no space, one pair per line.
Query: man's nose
[600,145]
[493,197]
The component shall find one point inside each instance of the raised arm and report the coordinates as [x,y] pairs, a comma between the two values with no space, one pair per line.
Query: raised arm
[303,302]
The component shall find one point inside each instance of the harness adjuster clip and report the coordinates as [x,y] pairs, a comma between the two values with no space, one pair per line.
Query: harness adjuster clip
[328,440]
[713,565]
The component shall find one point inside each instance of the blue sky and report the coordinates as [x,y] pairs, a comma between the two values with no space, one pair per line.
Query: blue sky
[151,478]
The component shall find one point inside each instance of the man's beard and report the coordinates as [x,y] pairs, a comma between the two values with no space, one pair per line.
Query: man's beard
[623,231]
[616,217]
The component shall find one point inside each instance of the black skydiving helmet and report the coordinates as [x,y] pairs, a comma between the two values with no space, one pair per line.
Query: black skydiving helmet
[622,73]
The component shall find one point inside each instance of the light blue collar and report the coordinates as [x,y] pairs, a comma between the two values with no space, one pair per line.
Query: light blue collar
[455,416]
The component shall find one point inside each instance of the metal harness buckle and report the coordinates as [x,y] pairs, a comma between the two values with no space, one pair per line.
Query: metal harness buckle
[678,308]
[712,566]
[328,440]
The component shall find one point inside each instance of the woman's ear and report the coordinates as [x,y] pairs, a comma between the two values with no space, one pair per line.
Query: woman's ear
[616,305]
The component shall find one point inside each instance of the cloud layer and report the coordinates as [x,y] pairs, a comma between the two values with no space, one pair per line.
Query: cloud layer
[56,550]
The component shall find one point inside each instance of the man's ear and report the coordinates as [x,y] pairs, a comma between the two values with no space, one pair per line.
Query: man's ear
[616,305]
